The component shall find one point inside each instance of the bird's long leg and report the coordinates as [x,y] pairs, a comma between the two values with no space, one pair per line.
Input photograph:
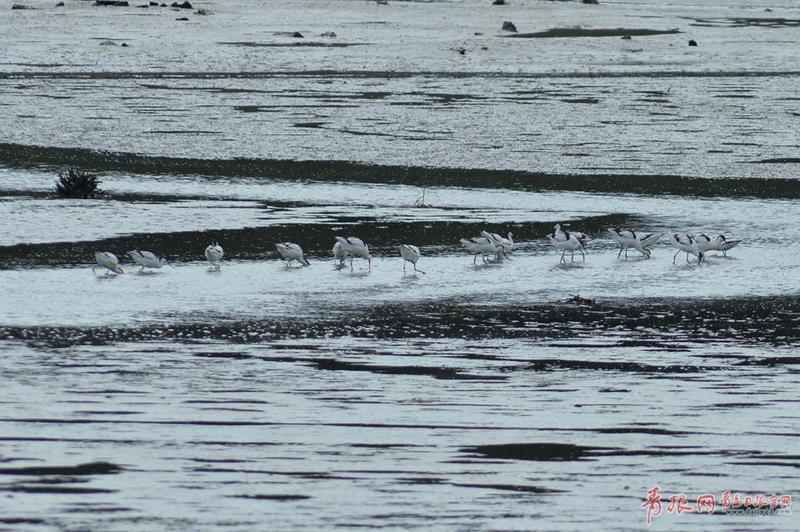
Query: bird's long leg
[94,272]
[687,257]
[351,263]
[626,252]
[475,260]
[583,255]
[724,253]
[369,263]
[404,267]
[675,256]
[562,256]
[572,255]
[415,268]
[621,247]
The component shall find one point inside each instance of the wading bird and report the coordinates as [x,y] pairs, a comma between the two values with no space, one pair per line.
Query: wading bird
[355,247]
[627,239]
[481,246]
[562,235]
[214,255]
[686,244]
[572,244]
[339,254]
[147,259]
[723,244]
[291,251]
[505,245]
[107,260]
[410,254]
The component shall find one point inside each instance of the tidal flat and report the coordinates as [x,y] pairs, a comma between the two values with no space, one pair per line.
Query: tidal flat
[476,396]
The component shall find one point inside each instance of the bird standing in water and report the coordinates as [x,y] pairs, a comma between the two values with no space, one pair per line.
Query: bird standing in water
[214,254]
[291,251]
[410,254]
[355,247]
[147,259]
[108,261]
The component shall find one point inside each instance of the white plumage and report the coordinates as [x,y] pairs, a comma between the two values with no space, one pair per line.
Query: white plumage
[339,254]
[147,259]
[723,244]
[480,246]
[355,247]
[214,254]
[562,235]
[291,251]
[410,254]
[686,244]
[505,245]
[627,238]
[571,244]
[107,260]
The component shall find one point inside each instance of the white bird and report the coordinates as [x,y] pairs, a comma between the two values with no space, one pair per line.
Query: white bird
[339,254]
[355,247]
[703,242]
[147,259]
[481,246]
[572,244]
[723,244]
[214,253]
[108,261]
[410,254]
[686,244]
[560,234]
[505,245]
[291,251]
[627,239]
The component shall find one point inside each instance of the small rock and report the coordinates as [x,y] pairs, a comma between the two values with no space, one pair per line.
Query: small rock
[185,5]
[509,26]
[626,37]
[60,4]
[477,33]
[108,43]
[327,34]
[484,47]
[461,50]
[21,6]
[112,3]
[297,35]
[499,2]
[202,12]
[383,2]
[124,45]
[182,19]
[692,42]
[595,2]
[154,4]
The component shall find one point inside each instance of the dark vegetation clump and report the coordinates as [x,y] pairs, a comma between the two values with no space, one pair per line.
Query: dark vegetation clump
[508,26]
[74,183]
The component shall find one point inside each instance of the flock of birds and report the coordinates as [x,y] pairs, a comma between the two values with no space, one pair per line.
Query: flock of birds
[491,247]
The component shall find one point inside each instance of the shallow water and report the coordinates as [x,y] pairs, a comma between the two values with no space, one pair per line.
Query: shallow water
[474,396]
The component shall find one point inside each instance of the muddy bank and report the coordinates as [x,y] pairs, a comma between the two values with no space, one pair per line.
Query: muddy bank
[258,243]
[664,326]
[25,156]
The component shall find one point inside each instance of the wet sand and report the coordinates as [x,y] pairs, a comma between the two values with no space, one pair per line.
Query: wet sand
[475,396]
